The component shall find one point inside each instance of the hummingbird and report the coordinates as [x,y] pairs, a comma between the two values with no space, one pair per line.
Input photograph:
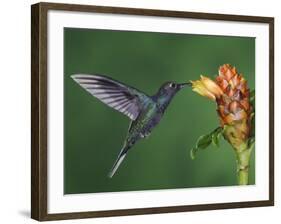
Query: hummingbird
[144,111]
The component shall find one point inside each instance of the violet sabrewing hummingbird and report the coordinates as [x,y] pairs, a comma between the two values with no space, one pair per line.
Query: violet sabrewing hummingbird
[144,111]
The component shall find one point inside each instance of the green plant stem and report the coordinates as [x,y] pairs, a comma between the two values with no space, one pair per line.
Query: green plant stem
[243,155]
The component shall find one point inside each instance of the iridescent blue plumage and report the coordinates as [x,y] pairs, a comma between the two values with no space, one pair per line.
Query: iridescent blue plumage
[144,111]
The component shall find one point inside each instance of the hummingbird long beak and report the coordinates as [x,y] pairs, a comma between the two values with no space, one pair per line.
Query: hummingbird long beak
[182,85]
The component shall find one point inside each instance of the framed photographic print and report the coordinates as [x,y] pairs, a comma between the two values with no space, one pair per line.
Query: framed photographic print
[139,111]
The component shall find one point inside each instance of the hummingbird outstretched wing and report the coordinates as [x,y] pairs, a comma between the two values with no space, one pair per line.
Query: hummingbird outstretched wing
[115,94]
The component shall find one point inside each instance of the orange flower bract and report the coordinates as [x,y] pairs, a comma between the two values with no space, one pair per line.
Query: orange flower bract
[232,95]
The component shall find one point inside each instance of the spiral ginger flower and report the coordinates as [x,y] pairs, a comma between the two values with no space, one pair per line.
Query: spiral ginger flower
[232,96]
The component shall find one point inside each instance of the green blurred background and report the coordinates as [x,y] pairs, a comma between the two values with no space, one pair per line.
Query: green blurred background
[94,133]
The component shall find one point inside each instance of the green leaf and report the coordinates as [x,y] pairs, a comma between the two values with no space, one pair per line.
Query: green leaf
[216,136]
[251,143]
[253,125]
[252,102]
[215,140]
[252,98]
[204,141]
[252,94]
[193,152]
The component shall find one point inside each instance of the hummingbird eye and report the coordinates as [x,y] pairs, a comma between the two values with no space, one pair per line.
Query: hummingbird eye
[172,85]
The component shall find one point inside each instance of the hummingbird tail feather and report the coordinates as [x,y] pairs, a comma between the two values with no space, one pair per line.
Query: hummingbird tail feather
[118,161]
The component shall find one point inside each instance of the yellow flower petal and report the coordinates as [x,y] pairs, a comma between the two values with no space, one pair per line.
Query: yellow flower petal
[211,86]
[198,86]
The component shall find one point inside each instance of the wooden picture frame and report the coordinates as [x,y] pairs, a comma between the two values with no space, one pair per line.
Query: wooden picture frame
[39,110]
